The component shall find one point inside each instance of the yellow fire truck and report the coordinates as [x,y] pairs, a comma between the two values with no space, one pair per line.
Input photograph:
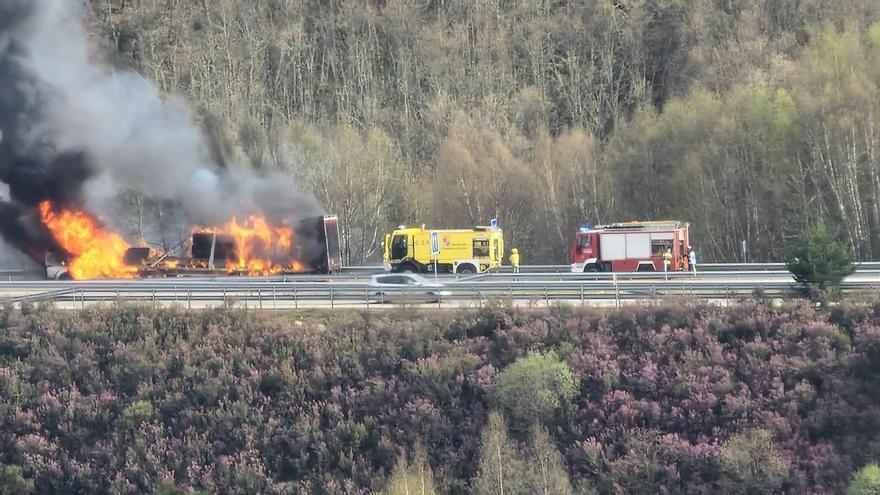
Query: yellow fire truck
[411,250]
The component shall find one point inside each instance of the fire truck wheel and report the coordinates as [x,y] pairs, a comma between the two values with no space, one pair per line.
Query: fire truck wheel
[591,269]
[408,269]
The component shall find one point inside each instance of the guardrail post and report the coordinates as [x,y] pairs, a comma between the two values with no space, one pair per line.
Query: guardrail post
[154,298]
[582,293]
[260,297]
[274,300]
[189,299]
[224,296]
[295,299]
[367,298]
[331,298]
[546,297]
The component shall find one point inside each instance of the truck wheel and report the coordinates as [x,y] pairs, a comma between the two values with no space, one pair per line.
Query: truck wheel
[467,270]
[591,269]
[408,269]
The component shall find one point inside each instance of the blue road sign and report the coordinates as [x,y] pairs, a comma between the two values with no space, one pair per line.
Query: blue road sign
[493,223]
[435,243]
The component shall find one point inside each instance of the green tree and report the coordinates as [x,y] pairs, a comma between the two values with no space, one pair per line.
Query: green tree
[750,463]
[503,469]
[533,388]
[548,469]
[866,481]
[411,478]
[819,263]
[13,483]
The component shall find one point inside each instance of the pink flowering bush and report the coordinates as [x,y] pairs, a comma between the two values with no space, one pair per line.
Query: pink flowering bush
[667,400]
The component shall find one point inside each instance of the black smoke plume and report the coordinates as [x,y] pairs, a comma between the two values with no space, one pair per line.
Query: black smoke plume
[76,132]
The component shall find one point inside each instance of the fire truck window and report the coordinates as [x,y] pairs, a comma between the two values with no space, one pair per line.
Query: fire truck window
[481,248]
[398,247]
[659,246]
[584,242]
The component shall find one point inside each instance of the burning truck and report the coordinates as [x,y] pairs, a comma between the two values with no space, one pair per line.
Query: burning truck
[251,247]
[78,134]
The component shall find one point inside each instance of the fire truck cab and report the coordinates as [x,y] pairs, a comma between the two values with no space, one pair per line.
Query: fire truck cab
[630,247]
[461,251]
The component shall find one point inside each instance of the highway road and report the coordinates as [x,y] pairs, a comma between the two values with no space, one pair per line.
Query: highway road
[352,289]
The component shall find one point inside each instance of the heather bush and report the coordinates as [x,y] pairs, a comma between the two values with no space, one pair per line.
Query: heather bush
[684,399]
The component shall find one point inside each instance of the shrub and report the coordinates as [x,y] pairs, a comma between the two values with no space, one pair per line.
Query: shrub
[12,482]
[138,411]
[751,464]
[866,481]
[531,389]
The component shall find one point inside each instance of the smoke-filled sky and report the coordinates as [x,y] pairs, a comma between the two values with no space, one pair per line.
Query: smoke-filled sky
[77,132]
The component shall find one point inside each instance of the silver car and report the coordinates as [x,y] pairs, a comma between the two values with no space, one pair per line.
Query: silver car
[405,287]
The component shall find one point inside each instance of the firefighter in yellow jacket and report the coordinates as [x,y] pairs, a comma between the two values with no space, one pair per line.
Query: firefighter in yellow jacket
[514,260]
[667,260]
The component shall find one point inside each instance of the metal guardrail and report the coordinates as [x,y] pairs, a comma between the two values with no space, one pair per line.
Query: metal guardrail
[701,267]
[267,294]
[364,272]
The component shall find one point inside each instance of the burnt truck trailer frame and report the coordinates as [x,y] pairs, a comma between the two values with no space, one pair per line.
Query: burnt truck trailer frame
[315,247]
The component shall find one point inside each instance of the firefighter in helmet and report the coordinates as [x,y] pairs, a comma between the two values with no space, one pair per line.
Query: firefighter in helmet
[514,260]
[667,259]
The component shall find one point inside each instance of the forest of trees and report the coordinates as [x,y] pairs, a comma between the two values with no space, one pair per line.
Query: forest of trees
[668,399]
[751,119]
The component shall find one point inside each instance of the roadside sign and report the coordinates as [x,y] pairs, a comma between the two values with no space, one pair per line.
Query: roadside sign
[493,223]
[435,243]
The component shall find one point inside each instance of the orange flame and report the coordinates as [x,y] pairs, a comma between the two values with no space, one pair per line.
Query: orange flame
[257,244]
[96,253]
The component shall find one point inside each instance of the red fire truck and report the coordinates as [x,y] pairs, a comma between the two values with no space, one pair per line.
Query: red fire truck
[630,247]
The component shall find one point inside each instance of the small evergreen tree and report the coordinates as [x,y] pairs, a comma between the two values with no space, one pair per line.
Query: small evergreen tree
[819,263]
